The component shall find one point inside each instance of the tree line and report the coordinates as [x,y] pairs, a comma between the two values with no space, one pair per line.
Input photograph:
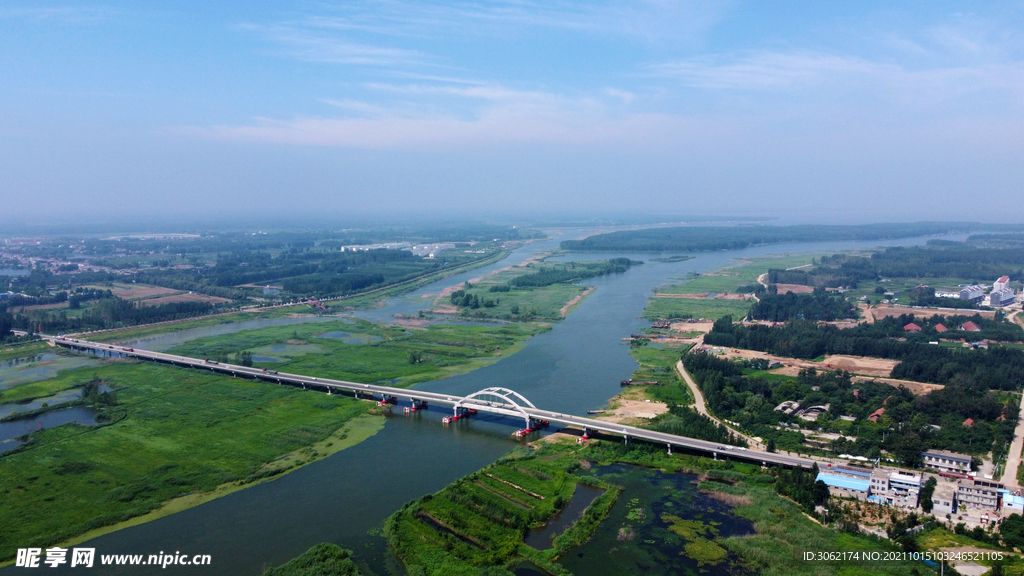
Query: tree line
[819,306]
[701,238]
[995,368]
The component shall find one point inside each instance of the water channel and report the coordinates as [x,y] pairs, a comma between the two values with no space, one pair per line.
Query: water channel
[343,499]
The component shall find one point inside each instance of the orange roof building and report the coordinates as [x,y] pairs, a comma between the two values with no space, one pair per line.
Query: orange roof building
[970,326]
[911,328]
[941,328]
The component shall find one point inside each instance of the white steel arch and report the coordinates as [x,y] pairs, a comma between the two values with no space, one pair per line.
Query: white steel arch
[509,399]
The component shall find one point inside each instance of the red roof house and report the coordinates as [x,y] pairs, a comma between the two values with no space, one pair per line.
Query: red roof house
[874,415]
[969,423]
[941,328]
[970,327]
[911,328]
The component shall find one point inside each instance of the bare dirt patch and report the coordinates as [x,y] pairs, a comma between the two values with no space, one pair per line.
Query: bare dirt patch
[876,367]
[176,298]
[684,327]
[915,388]
[43,306]
[136,291]
[628,409]
[862,367]
[707,296]
[885,311]
[794,288]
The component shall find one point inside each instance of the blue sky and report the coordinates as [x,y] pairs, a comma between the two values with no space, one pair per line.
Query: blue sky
[856,111]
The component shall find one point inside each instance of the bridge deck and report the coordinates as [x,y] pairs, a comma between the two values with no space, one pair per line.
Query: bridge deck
[517,411]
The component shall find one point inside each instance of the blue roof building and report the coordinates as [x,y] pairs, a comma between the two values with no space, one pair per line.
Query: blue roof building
[845,486]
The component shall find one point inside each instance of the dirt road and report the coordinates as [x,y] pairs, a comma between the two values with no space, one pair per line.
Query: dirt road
[701,407]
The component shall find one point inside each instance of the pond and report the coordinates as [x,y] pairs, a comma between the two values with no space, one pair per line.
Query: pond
[540,538]
[15,428]
[58,398]
[660,525]
[35,367]
[350,338]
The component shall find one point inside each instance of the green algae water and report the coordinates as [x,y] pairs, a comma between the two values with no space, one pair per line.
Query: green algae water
[661,524]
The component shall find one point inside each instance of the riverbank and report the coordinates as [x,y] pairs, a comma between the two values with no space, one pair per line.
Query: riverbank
[352,433]
[172,434]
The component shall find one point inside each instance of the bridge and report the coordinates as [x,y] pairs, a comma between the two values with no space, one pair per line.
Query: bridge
[501,401]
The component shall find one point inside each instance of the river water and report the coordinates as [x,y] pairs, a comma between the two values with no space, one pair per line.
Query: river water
[574,367]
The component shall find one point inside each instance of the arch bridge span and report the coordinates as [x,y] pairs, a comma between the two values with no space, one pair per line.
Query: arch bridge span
[495,400]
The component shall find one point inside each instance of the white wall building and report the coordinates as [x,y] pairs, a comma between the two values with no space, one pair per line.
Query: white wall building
[1003,282]
[1002,297]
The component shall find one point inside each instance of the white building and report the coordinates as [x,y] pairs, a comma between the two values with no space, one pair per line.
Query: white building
[945,461]
[979,494]
[944,499]
[974,293]
[1003,282]
[1001,297]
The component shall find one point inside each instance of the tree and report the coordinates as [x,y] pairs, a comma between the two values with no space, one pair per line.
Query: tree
[771,445]
[926,495]
[246,358]
[1012,530]
[908,450]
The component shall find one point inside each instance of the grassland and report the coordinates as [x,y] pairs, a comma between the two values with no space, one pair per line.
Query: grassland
[401,356]
[173,433]
[657,363]
[324,559]
[728,280]
[525,303]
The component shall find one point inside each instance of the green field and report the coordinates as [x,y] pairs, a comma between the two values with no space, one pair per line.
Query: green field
[402,357]
[727,280]
[534,303]
[173,432]
[657,362]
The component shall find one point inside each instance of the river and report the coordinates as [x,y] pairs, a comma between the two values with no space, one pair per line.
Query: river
[572,368]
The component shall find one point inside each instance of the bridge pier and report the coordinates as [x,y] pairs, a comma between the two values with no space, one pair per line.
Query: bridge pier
[669,449]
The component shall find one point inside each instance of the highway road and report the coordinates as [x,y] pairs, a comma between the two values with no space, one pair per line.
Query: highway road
[503,405]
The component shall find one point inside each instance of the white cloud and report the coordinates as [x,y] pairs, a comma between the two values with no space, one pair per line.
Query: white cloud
[312,46]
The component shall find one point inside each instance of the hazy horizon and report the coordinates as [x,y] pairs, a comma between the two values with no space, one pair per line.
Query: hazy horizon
[133,113]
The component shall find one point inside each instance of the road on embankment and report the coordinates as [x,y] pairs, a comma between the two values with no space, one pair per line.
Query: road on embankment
[514,410]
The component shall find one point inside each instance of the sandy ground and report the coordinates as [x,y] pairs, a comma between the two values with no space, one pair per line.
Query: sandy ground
[864,368]
[183,298]
[794,288]
[704,296]
[134,291]
[916,388]
[884,311]
[565,309]
[633,409]
[704,327]
[856,364]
